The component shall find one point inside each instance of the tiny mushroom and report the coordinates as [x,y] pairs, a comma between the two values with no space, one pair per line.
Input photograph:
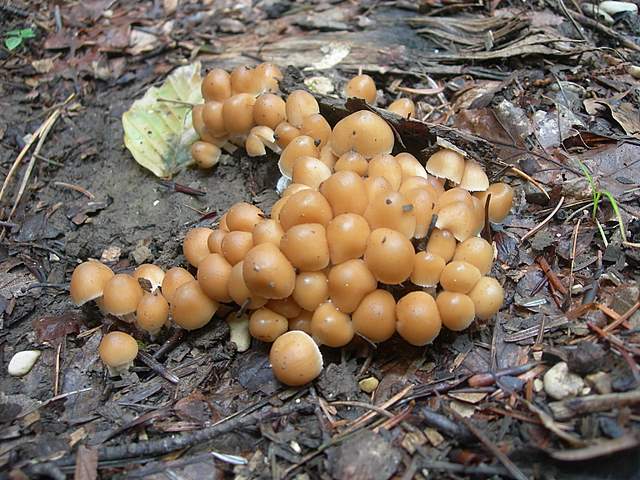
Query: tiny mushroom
[361,86]
[195,246]
[191,308]
[267,325]
[88,281]
[117,351]
[418,318]
[363,131]
[446,164]
[153,273]
[456,310]
[121,296]
[152,313]
[295,358]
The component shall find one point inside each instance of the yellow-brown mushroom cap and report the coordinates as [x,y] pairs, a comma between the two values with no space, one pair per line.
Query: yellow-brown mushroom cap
[418,317]
[487,297]
[403,107]
[361,86]
[427,268]
[152,313]
[375,317]
[312,289]
[392,210]
[174,278]
[299,105]
[118,349]
[331,327]
[302,322]
[214,242]
[269,110]
[316,127]
[242,80]
[244,216]
[195,246]
[206,155]
[301,146]
[153,273]
[389,256]
[191,307]
[239,291]
[295,358]
[474,178]
[235,245]
[237,112]
[456,310]
[121,295]
[306,206]
[88,281]
[287,307]
[500,203]
[309,171]
[216,85]
[353,162]
[213,276]
[285,133]
[346,193]
[267,272]
[305,246]
[446,164]
[349,282]
[267,231]
[364,132]
[459,218]
[213,118]
[347,236]
[410,166]
[442,243]
[267,325]
[459,276]
[385,165]
[476,251]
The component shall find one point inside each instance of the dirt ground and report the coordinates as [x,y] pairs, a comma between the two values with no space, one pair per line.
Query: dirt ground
[548,92]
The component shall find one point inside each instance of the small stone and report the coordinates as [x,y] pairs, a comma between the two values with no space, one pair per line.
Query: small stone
[538,385]
[111,254]
[23,362]
[239,331]
[559,383]
[612,7]
[600,381]
[231,25]
[369,384]
[434,436]
[321,85]
[594,11]
[634,71]
[141,254]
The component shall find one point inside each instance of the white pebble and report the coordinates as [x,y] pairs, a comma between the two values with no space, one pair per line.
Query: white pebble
[23,362]
[560,383]
[239,330]
[612,7]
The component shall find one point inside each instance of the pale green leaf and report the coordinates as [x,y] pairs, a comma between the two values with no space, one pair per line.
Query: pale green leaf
[158,133]
[12,42]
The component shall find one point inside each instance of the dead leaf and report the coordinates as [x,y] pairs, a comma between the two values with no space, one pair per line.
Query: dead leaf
[43,66]
[140,42]
[86,464]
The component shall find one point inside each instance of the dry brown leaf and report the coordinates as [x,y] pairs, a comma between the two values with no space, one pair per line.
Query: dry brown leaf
[86,464]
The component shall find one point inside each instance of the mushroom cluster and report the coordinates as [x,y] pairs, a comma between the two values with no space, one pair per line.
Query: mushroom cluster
[361,242]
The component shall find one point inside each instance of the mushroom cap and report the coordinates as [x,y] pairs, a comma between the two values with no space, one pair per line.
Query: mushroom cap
[267,325]
[287,307]
[213,118]
[216,85]
[403,107]
[267,231]
[389,256]
[385,165]
[375,317]
[195,246]
[237,112]
[222,223]
[316,127]
[459,276]
[152,313]
[361,86]
[206,155]
[349,282]
[235,246]
[347,236]
[191,308]
[302,322]
[500,203]
[269,110]
[427,268]
[299,105]
[446,164]
[88,280]
[268,75]
[487,297]
[174,278]
[306,206]
[214,242]
[239,291]
[244,216]
[327,157]
[423,203]
[309,171]
[254,146]
[442,243]
[121,295]
[456,310]
[285,133]
[477,251]
[277,207]
[410,183]
[418,317]
[346,193]
[295,358]
[410,166]
[294,188]
[364,132]
[242,80]
[268,273]
[305,246]
[312,289]
[118,349]
[213,276]
[153,273]
[301,146]
[459,219]
[474,178]
[376,186]
[331,327]
[453,195]
[392,210]
[353,162]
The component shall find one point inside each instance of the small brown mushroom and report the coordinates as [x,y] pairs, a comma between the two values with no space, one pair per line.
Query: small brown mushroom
[487,297]
[456,310]
[285,133]
[268,273]
[239,291]
[216,85]
[237,112]
[403,107]
[327,157]
[213,118]
[309,171]
[306,206]
[446,164]
[419,320]
[88,281]
[361,86]
[287,307]
[267,325]
[347,236]
[153,273]
[267,231]
[410,166]
[206,155]
[213,275]
[214,242]
[442,243]
[235,246]
[299,105]
[173,279]
[195,246]
[242,80]
[312,289]
[423,203]
[269,110]
[376,186]
[352,161]
[305,246]
[301,146]
[474,179]
[121,296]
[268,76]
[244,216]
[316,127]
[375,317]
[152,313]
[346,193]
[459,219]
[191,308]
[302,322]
[392,210]
[117,351]
[500,203]
[477,251]
[385,165]
[295,359]
[364,132]
[427,268]
[349,282]
[459,276]
[331,327]
[389,256]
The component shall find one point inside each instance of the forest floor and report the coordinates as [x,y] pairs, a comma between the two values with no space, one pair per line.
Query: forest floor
[550,99]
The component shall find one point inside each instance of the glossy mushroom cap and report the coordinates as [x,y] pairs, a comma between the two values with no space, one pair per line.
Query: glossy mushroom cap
[316,127]
[421,183]
[456,310]
[121,295]
[206,155]
[295,358]
[235,246]
[242,80]
[216,85]
[118,350]
[254,146]
[347,236]
[299,105]
[392,210]
[331,327]
[267,325]
[349,282]
[453,195]
[418,318]
[361,86]
[305,246]
[375,317]
[173,279]
[195,246]
[287,307]
[213,276]
[459,276]
[487,297]
[302,322]
[285,133]
[152,313]
[301,146]
[346,193]
[353,162]
[474,179]
[191,308]
[276,208]
[309,171]
[442,243]
[153,273]
[327,157]
[269,110]
[385,165]
[237,113]
[244,216]
[312,289]
[306,206]
[213,119]
[389,256]
[477,251]
[267,272]
[268,75]
[427,268]
[403,107]
[446,164]
[364,132]
[459,218]
[214,242]
[423,204]
[88,281]
[239,291]
[376,186]
[410,166]
[294,188]
[267,231]
[500,203]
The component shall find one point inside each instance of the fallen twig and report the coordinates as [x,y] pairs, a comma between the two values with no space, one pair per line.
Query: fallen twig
[538,227]
[566,409]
